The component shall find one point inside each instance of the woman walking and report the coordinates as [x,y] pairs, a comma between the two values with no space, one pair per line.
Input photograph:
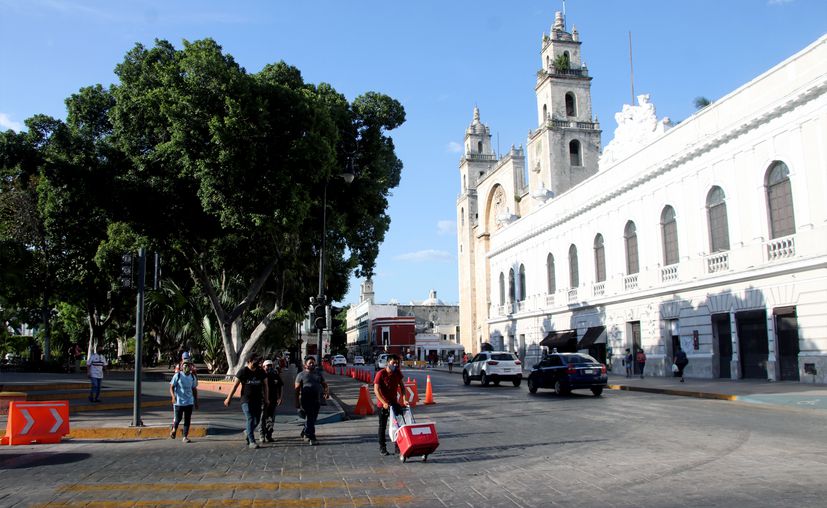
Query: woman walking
[184,392]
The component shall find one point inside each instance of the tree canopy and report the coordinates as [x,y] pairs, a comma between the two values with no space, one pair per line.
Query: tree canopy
[223,171]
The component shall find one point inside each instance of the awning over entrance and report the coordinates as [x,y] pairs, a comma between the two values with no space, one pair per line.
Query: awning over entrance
[594,335]
[562,340]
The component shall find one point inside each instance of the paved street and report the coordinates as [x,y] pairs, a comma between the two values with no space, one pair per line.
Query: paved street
[499,446]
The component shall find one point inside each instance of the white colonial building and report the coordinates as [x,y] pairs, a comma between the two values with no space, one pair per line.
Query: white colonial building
[710,235]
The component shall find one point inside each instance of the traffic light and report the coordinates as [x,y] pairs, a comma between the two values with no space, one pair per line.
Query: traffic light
[126,270]
[319,317]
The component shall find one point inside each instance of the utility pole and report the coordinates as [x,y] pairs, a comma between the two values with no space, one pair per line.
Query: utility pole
[139,335]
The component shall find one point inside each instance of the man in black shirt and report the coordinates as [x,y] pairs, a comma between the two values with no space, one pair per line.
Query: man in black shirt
[274,388]
[254,394]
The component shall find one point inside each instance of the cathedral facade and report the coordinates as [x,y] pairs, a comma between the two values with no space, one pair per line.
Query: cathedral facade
[709,236]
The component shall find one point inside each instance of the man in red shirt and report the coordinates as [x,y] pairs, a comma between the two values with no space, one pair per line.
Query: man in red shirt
[386,385]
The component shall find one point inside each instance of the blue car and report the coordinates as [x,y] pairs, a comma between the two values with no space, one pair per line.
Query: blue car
[565,372]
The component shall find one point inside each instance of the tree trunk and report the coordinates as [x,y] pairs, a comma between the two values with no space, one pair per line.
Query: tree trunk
[47,331]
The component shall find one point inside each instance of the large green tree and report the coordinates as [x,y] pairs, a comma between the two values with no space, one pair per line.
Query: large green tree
[227,170]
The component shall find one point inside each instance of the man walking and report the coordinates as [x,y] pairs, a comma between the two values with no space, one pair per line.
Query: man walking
[386,385]
[450,362]
[253,396]
[94,371]
[681,361]
[274,389]
[310,388]
[184,392]
[627,361]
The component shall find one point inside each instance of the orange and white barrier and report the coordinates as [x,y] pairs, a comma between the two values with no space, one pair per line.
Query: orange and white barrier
[36,421]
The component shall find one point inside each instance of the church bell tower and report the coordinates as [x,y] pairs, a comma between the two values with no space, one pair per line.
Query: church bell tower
[564,149]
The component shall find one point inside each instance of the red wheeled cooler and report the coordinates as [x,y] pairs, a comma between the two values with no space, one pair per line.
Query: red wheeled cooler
[417,439]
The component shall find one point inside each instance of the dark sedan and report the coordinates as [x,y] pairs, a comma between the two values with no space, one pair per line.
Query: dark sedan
[565,372]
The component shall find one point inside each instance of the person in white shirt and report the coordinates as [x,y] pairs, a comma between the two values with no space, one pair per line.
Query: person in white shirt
[94,371]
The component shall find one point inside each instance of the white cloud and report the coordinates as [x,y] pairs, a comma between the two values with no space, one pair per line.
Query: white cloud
[424,256]
[454,147]
[7,123]
[779,2]
[446,227]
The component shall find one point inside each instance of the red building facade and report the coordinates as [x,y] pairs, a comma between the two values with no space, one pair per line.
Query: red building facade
[395,335]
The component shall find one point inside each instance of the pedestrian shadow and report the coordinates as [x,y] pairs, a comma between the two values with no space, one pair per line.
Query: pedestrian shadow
[27,460]
[500,452]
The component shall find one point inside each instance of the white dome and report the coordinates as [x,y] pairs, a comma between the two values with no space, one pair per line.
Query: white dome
[432,299]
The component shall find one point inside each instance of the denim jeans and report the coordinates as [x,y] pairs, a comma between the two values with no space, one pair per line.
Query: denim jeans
[311,415]
[95,391]
[253,415]
[186,413]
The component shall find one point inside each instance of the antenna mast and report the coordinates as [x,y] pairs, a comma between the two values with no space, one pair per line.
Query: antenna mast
[631,70]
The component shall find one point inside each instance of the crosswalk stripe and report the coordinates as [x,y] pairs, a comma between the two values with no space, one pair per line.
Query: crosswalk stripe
[255,503]
[218,486]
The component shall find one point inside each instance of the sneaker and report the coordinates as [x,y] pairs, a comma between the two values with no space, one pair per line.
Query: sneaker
[253,445]
[313,442]
[384,451]
[186,440]
[172,434]
[269,439]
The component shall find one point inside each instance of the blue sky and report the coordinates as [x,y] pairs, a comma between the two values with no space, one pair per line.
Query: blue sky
[438,57]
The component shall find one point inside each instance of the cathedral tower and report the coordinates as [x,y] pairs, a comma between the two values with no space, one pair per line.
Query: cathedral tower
[565,148]
[477,160]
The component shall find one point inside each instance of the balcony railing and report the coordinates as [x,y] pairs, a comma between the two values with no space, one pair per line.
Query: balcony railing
[566,124]
[669,273]
[572,295]
[780,248]
[549,300]
[630,282]
[717,262]
[599,289]
[479,157]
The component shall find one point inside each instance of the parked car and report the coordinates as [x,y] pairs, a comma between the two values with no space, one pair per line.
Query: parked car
[565,372]
[339,360]
[358,360]
[381,361]
[493,366]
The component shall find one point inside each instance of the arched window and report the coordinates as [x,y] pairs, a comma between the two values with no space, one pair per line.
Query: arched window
[462,217]
[574,153]
[780,200]
[502,289]
[599,259]
[545,114]
[479,146]
[571,105]
[551,278]
[512,296]
[630,236]
[717,219]
[574,272]
[669,232]
[522,283]
[548,62]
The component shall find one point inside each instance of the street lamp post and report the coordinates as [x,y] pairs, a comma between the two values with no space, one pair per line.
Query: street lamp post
[320,301]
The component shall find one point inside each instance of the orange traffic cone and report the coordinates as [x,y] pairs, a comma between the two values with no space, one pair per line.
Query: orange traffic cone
[364,407]
[429,393]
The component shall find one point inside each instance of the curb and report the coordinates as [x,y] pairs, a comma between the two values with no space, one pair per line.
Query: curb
[124,433]
[678,393]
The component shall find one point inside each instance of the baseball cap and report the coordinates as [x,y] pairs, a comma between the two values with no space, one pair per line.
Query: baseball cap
[268,362]
[185,356]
